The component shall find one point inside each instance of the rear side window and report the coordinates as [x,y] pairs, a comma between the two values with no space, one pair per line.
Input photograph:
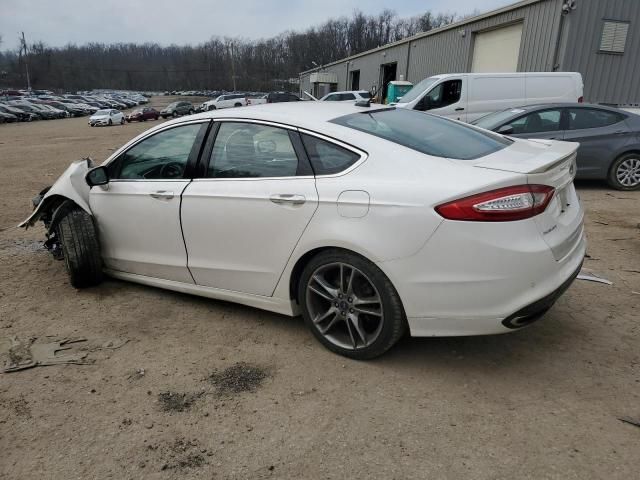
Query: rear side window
[428,134]
[348,96]
[581,118]
[248,150]
[327,158]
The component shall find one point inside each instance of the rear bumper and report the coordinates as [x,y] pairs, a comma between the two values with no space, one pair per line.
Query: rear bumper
[470,280]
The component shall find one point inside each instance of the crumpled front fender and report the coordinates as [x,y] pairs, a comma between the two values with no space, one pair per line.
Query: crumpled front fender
[71,185]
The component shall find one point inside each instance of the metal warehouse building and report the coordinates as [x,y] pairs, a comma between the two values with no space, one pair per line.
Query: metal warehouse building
[598,38]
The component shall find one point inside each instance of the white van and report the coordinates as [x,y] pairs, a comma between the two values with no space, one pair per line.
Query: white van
[468,96]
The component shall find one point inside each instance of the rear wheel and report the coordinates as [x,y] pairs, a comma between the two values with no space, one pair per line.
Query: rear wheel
[81,249]
[238,105]
[350,305]
[624,173]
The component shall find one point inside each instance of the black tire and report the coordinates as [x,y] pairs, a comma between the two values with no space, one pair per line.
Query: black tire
[211,107]
[81,249]
[394,321]
[612,178]
[238,105]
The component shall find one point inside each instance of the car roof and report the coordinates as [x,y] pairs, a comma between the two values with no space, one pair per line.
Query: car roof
[349,91]
[545,106]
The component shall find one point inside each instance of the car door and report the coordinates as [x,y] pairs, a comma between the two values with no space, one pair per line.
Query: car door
[243,218]
[602,135]
[138,211]
[447,99]
[547,124]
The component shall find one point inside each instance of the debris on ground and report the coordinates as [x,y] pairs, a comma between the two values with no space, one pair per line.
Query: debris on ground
[17,354]
[241,377]
[631,421]
[137,374]
[176,401]
[179,455]
[592,277]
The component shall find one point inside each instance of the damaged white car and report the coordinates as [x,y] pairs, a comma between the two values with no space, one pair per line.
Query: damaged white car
[369,221]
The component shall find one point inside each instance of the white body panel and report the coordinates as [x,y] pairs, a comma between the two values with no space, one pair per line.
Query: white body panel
[237,237]
[140,233]
[484,93]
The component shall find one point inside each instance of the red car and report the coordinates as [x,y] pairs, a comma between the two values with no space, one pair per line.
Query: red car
[143,114]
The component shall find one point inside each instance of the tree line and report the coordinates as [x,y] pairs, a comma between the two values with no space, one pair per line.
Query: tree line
[220,63]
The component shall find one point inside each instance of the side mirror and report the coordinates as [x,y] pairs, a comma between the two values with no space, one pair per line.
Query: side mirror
[505,130]
[97,176]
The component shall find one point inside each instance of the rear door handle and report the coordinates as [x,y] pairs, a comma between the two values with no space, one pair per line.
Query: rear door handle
[288,199]
[162,195]
[459,109]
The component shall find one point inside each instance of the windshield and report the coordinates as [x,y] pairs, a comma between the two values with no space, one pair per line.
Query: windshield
[418,89]
[103,112]
[494,120]
[425,133]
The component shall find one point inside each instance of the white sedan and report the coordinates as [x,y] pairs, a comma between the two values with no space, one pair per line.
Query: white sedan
[106,117]
[369,221]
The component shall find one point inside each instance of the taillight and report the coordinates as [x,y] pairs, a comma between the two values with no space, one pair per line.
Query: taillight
[581,100]
[501,205]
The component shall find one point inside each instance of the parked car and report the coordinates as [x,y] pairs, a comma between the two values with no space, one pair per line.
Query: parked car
[176,109]
[464,232]
[609,138]
[469,96]
[143,114]
[106,117]
[353,95]
[254,100]
[279,97]
[20,114]
[27,107]
[7,117]
[225,101]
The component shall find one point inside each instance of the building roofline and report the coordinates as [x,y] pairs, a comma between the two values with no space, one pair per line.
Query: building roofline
[466,21]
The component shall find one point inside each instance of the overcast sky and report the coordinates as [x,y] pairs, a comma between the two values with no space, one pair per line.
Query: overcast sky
[58,22]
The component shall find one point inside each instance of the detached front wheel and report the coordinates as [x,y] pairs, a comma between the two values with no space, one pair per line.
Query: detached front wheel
[350,305]
[81,249]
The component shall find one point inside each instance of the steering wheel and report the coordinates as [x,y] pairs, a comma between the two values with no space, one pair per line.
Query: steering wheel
[171,170]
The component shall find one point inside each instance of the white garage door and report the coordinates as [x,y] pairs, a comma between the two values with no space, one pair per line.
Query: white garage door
[497,50]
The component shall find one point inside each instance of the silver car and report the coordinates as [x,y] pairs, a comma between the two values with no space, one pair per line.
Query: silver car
[609,138]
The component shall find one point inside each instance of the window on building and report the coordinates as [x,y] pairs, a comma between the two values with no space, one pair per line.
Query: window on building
[614,36]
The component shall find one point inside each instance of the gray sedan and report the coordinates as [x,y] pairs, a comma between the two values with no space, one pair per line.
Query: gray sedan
[609,138]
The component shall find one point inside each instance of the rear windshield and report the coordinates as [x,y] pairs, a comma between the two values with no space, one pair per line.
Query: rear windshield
[425,133]
[496,119]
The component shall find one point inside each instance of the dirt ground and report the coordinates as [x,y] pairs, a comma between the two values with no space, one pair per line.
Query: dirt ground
[208,389]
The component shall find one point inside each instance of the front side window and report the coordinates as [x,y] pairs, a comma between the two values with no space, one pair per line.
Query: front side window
[430,134]
[581,118]
[331,98]
[442,95]
[327,158]
[248,150]
[537,122]
[161,156]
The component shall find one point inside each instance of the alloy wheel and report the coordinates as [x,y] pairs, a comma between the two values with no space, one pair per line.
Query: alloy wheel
[628,172]
[344,305]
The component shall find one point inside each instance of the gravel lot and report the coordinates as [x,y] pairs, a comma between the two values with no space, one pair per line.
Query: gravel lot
[207,389]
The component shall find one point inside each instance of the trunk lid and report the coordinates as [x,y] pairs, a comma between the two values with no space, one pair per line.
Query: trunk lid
[547,162]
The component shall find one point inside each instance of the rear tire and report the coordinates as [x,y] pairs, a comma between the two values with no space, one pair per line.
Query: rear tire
[624,173]
[81,249]
[368,291]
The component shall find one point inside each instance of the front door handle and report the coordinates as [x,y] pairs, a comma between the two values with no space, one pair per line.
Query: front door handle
[459,109]
[288,199]
[162,195]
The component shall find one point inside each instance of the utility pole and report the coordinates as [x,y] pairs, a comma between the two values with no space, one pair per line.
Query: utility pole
[233,68]
[26,61]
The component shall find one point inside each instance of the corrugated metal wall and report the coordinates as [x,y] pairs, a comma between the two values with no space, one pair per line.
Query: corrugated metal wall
[608,78]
